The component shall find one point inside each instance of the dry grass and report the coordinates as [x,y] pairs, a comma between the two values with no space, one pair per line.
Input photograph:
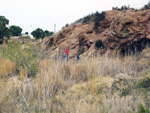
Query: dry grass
[73,87]
[79,98]
[6,67]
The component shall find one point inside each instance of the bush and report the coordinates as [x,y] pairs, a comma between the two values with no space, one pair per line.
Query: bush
[22,59]
[145,83]
[125,92]
[99,45]
[142,109]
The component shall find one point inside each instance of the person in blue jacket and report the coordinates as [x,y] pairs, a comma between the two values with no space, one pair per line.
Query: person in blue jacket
[78,57]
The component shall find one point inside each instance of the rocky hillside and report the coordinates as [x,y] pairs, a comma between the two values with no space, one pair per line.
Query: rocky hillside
[124,31]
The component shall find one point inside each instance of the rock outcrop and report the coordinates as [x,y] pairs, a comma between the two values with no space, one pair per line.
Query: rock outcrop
[120,30]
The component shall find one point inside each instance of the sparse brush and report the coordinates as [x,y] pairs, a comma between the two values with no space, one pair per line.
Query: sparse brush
[22,58]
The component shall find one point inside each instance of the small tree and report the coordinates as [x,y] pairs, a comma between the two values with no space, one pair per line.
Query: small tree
[51,33]
[99,45]
[3,21]
[4,31]
[67,25]
[15,30]
[47,33]
[26,33]
[38,33]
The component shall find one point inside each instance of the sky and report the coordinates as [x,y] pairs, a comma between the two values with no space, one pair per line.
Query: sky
[33,14]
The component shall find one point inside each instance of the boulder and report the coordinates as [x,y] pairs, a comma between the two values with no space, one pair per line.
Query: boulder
[123,81]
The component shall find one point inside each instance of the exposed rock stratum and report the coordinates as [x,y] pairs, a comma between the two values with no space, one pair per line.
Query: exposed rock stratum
[120,30]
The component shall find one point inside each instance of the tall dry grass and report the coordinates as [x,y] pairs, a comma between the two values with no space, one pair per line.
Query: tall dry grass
[6,67]
[73,87]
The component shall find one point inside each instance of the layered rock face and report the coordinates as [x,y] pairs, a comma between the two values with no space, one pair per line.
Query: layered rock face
[119,30]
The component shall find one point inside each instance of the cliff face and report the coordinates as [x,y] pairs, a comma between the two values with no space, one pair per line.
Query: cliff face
[119,30]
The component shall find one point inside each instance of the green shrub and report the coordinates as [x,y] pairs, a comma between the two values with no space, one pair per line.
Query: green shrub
[23,58]
[125,92]
[142,109]
[145,83]
[99,45]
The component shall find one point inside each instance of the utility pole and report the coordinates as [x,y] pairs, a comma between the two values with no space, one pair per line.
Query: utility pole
[54,28]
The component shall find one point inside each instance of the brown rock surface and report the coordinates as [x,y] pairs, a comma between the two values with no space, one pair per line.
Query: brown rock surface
[119,30]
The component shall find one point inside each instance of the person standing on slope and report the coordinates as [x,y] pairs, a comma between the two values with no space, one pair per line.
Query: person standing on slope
[78,57]
[67,54]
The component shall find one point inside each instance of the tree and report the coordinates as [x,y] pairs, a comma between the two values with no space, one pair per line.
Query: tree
[67,25]
[15,30]
[4,31]
[51,33]
[4,21]
[38,33]
[47,33]
[26,33]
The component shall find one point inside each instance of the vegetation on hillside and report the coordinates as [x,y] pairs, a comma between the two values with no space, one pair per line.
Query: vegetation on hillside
[94,17]
[89,85]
